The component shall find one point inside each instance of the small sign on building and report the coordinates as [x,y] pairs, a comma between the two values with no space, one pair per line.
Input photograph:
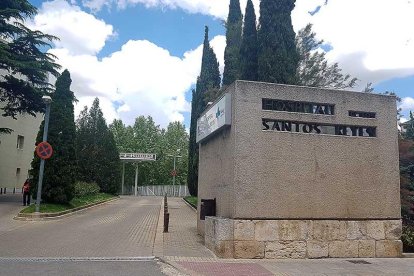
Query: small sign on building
[215,118]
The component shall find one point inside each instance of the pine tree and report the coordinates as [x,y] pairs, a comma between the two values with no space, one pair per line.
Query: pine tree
[277,54]
[314,69]
[24,65]
[248,51]
[98,154]
[61,169]
[233,40]
[208,83]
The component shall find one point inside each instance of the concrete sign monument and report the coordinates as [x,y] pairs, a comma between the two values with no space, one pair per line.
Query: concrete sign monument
[301,172]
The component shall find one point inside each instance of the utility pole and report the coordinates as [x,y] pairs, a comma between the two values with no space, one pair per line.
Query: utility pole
[47,100]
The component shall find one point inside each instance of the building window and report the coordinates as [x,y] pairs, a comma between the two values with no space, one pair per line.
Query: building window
[18,172]
[20,141]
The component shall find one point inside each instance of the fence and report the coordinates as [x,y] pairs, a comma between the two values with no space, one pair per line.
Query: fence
[159,190]
[9,190]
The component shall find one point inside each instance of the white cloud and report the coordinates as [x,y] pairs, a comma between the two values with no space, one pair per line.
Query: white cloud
[79,32]
[373,40]
[139,79]
[407,104]
[216,8]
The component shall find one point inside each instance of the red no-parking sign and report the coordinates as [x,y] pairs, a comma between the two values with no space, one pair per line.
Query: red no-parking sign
[44,150]
[174,173]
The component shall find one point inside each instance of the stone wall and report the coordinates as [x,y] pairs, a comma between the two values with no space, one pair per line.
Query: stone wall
[299,239]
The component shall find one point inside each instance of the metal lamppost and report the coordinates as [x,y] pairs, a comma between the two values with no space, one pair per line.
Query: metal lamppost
[174,171]
[47,100]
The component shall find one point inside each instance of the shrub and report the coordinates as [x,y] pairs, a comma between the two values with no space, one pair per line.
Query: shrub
[84,188]
[408,238]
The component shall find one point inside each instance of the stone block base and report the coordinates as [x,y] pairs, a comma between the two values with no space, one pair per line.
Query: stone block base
[299,239]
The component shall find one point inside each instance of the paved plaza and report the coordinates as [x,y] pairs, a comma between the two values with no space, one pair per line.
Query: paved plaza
[120,238]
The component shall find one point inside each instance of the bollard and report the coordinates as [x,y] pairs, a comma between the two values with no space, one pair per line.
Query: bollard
[14,190]
[166,222]
[1,191]
[165,204]
[5,190]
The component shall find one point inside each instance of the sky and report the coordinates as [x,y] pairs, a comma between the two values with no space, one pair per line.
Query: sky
[142,57]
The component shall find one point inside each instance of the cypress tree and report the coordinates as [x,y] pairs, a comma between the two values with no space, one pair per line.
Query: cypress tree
[192,177]
[248,51]
[278,57]
[209,78]
[207,83]
[61,169]
[233,39]
[409,134]
[97,151]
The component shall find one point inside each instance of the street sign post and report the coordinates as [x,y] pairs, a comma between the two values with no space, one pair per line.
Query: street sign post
[134,158]
[44,150]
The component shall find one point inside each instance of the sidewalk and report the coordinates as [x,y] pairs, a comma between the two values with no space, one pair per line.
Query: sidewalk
[184,250]
[182,239]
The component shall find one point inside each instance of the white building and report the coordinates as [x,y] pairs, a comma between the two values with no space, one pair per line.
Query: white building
[17,149]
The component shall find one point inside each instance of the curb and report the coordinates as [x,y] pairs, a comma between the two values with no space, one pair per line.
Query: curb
[59,215]
[408,255]
[76,259]
[190,205]
[158,249]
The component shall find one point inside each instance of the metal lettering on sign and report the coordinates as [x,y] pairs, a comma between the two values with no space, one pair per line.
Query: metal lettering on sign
[318,128]
[215,118]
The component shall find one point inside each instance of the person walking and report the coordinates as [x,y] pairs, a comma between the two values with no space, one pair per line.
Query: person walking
[26,193]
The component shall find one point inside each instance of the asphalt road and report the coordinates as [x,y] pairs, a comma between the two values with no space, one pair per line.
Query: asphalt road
[77,268]
[112,239]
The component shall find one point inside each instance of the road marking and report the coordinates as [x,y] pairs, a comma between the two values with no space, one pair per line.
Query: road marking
[80,259]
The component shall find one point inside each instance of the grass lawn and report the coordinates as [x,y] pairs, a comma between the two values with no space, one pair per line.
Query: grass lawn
[192,200]
[74,203]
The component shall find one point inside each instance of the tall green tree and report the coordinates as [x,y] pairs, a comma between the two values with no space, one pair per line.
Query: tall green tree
[406,150]
[208,84]
[314,69]
[61,169]
[192,181]
[248,50]
[409,132]
[147,137]
[97,151]
[233,38]
[277,55]
[25,67]
[175,143]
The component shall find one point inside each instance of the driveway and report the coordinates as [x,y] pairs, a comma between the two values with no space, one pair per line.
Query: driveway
[122,228]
